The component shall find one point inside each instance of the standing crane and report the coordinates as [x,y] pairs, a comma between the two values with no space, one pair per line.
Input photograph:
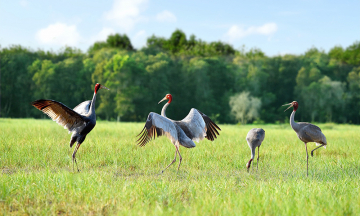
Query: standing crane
[194,127]
[80,120]
[306,132]
[254,139]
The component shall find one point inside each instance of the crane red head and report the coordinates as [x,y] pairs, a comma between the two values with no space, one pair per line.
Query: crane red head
[99,86]
[292,104]
[167,97]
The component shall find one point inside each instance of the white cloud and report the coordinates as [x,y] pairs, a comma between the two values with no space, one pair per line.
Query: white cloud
[236,32]
[59,34]
[139,40]
[24,3]
[126,13]
[140,34]
[166,16]
[102,35]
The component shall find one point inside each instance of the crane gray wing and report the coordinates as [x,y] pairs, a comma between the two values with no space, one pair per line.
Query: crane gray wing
[256,135]
[197,126]
[157,124]
[83,108]
[312,133]
[309,125]
[210,127]
[60,113]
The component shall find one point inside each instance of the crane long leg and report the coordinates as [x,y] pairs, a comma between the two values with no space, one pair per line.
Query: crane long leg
[172,161]
[74,156]
[179,157]
[307,161]
[315,149]
[257,162]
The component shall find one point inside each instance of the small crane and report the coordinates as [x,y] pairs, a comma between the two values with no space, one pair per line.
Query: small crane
[194,127]
[80,120]
[254,139]
[306,132]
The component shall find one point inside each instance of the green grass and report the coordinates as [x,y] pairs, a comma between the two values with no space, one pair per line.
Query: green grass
[118,177]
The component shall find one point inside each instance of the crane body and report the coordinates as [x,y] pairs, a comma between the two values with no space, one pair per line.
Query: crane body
[78,121]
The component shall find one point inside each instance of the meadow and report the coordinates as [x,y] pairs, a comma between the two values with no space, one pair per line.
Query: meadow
[118,177]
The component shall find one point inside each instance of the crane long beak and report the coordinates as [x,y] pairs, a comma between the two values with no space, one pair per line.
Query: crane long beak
[103,87]
[162,99]
[289,106]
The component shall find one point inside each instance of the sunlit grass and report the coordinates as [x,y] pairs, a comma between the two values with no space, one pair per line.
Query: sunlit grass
[118,177]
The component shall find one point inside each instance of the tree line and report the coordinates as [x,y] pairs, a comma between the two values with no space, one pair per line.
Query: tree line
[227,84]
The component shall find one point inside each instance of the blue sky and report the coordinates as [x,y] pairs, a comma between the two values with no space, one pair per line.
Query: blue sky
[276,27]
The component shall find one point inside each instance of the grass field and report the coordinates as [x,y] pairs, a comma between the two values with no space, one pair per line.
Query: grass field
[118,177]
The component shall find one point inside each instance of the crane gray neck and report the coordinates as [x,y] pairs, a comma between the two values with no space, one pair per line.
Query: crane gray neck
[92,107]
[164,109]
[253,153]
[293,124]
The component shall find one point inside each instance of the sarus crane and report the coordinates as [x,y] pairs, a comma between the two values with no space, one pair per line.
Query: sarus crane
[194,127]
[306,132]
[80,120]
[254,139]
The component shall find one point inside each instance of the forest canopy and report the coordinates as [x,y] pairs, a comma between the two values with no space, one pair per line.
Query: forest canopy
[199,74]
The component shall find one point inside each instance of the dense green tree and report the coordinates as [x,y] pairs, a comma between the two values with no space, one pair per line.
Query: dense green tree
[155,45]
[199,74]
[178,44]
[120,41]
[113,41]
[352,54]
[354,95]
[15,81]
[177,41]
[322,98]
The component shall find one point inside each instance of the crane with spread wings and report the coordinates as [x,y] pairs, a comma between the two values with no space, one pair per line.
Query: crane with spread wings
[80,120]
[194,127]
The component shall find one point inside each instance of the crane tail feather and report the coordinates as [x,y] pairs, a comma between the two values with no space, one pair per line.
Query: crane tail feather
[146,136]
[142,136]
[209,135]
[154,132]
[213,131]
[141,132]
[213,125]
[143,140]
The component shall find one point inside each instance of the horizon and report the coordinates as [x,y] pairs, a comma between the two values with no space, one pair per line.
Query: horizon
[276,29]
[243,48]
